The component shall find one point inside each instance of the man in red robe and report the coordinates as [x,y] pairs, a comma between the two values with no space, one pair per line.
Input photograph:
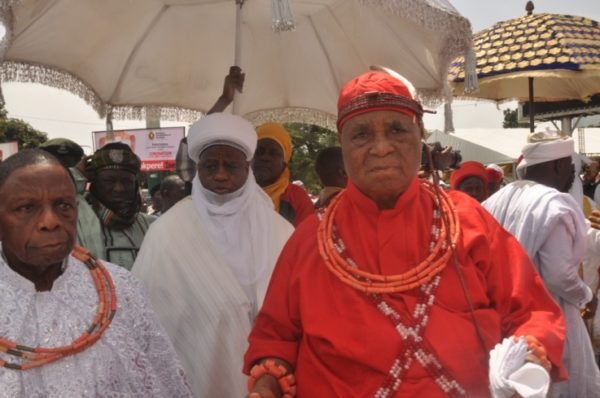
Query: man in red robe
[346,312]
[471,178]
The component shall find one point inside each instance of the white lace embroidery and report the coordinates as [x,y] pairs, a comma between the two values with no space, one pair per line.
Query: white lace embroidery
[134,358]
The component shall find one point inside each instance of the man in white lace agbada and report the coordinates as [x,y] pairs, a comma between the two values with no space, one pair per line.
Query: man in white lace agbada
[70,326]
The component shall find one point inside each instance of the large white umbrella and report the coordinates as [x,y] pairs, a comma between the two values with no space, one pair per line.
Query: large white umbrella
[125,57]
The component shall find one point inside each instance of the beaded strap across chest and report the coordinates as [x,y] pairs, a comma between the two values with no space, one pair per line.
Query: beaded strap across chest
[424,277]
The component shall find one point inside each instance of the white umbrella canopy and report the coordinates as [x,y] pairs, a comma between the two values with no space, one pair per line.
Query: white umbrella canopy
[128,57]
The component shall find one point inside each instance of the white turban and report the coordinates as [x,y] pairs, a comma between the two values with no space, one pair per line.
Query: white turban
[545,146]
[221,129]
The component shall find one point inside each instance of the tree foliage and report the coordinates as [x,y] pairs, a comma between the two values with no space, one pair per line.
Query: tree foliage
[511,119]
[20,131]
[307,141]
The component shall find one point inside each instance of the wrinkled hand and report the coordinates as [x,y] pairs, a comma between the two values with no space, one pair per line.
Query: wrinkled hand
[538,354]
[233,81]
[595,219]
[266,387]
[590,308]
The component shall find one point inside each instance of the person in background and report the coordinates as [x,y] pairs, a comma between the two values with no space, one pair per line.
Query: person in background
[495,178]
[471,178]
[590,180]
[329,166]
[116,200]
[368,300]
[591,276]
[551,227]
[172,190]
[156,199]
[71,325]
[207,261]
[71,156]
[270,167]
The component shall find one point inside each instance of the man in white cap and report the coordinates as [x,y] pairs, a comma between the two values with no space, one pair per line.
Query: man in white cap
[551,227]
[207,262]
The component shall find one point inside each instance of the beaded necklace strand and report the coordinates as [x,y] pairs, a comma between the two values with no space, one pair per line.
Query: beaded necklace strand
[413,278]
[33,357]
[411,327]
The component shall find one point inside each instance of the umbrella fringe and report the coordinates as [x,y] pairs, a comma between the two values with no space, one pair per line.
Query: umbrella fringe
[449,24]
[163,113]
[21,72]
[31,73]
[6,19]
[282,15]
[471,84]
[292,115]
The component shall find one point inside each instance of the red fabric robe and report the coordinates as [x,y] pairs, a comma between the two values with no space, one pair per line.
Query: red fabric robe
[295,204]
[340,345]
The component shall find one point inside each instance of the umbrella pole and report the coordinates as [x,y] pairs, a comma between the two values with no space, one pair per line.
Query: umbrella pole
[237,55]
[531,106]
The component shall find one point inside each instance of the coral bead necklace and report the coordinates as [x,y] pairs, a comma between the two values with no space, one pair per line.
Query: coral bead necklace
[32,357]
[422,273]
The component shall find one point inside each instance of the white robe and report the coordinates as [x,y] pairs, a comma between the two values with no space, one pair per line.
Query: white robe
[551,228]
[133,358]
[198,299]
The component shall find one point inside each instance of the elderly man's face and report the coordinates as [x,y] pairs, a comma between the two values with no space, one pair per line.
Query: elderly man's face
[268,162]
[382,154]
[115,187]
[474,187]
[38,216]
[223,169]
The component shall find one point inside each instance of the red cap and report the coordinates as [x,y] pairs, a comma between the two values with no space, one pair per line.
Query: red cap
[373,91]
[466,170]
[494,175]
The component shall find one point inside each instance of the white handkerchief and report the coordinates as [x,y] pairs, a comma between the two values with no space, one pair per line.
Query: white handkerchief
[509,373]
[530,381]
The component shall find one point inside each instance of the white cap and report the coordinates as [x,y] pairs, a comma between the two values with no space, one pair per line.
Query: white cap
[221,129]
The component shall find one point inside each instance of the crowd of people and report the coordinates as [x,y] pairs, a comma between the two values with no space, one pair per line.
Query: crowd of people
[393,284]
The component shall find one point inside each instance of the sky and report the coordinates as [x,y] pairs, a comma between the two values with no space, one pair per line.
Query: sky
[62,114]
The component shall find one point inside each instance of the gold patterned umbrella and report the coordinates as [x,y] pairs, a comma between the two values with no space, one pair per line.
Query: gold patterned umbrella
[538,57]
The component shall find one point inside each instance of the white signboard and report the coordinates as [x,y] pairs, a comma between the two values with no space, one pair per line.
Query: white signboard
[156,148]
[7,149]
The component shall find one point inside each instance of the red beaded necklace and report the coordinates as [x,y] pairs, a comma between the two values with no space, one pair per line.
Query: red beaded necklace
[411,327]
[32,357]
[416,276]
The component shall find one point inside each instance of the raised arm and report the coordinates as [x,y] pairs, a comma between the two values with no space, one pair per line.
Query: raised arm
[233,81]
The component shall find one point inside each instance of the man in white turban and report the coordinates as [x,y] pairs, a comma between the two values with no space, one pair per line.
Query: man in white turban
[551,227]
[208,261]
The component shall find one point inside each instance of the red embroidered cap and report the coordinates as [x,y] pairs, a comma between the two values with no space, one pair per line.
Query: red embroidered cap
[373,91]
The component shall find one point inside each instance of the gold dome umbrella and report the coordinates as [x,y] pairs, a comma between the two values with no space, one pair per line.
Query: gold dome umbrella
[535,58]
